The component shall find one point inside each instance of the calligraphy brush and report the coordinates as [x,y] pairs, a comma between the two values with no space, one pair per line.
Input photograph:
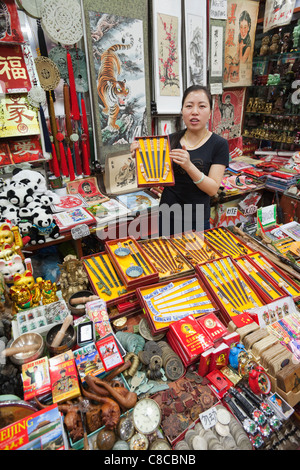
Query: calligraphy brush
[221,282]
[148,152]
[236,274]
[234,281]
[219,245]
[140,153]
[228,281]
[137,255]
[164,157]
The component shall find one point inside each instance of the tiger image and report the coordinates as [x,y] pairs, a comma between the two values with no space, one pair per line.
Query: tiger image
[112,92]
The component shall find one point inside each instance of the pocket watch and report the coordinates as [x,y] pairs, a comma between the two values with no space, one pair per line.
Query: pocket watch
[146,416]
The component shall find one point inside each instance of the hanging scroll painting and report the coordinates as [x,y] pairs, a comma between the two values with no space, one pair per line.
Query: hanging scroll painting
[195,40]
[228,113]
[239,42]
[10,28]
[167,56]
[278,13]
[117,74]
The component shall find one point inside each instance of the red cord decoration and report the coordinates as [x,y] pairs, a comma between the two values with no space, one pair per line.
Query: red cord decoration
[63,160]
[77,159]
[86,165]
[70,164]
[73,95]
[55,165]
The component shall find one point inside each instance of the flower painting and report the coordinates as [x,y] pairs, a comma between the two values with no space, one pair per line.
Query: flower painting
[168,55]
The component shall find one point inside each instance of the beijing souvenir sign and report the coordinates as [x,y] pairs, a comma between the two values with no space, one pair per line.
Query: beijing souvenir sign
[62,21]
[14,76]
[17,119]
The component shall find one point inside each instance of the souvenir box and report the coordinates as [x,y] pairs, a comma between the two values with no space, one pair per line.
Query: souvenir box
[105,280]
[166,258]
[229,287]
[39,319]
[278,275]
[194,248]
[226,243]
[64,378]
[42,430]
[182,295]
[262,283]
[36,378]
[131,262]
[88,361]
[153,163]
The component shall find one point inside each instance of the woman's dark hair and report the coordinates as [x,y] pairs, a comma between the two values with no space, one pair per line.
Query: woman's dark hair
[175,138]
[197,88]
[245,16]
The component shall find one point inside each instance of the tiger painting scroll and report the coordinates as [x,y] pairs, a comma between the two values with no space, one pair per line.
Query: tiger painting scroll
[118,56]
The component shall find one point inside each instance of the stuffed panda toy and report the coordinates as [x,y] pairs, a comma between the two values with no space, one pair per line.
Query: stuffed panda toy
[43,226]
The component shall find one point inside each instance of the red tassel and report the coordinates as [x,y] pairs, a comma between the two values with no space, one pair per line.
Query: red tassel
[73,95]
[70,164]
[63,160]
[86,166]
[55,165]
[77,159]
[85,125]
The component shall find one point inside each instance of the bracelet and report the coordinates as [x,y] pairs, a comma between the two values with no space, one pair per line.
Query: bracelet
[200,180]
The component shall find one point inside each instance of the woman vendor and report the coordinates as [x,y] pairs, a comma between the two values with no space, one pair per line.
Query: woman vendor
[199,160]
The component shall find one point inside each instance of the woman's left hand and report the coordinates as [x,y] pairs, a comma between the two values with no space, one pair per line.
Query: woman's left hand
[181,157]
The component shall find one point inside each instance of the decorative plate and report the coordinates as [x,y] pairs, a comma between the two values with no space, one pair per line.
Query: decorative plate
[134,271]
[36,96]
[121,252]
[62,21]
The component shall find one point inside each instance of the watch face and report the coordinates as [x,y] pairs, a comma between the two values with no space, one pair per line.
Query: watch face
[146,416]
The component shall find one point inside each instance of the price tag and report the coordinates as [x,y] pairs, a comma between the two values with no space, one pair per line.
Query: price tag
[80,231]
[208,418]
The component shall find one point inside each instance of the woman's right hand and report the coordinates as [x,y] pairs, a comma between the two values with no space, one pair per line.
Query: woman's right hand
[133,147]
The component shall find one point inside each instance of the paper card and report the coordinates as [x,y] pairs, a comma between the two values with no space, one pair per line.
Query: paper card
[109,352]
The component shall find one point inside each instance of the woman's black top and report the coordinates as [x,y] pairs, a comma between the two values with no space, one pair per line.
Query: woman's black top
[214,151]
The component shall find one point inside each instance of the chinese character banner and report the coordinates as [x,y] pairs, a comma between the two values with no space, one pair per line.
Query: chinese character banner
[239,42]
[14,77]
[17,118]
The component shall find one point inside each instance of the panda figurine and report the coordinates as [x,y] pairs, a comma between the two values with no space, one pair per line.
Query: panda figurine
[43,227]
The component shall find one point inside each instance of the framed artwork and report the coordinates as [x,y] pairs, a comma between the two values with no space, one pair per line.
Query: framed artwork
[195,42]
[88,189]
[278,13]
[167,65]
[120,174]
[216,50]
[228,113]
[239,43]
[166,125]
[116,39]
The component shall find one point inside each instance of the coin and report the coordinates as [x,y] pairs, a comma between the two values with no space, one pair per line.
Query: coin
[223,416]
[222,429]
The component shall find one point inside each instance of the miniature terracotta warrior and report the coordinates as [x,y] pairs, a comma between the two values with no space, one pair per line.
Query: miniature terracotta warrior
[73,277]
